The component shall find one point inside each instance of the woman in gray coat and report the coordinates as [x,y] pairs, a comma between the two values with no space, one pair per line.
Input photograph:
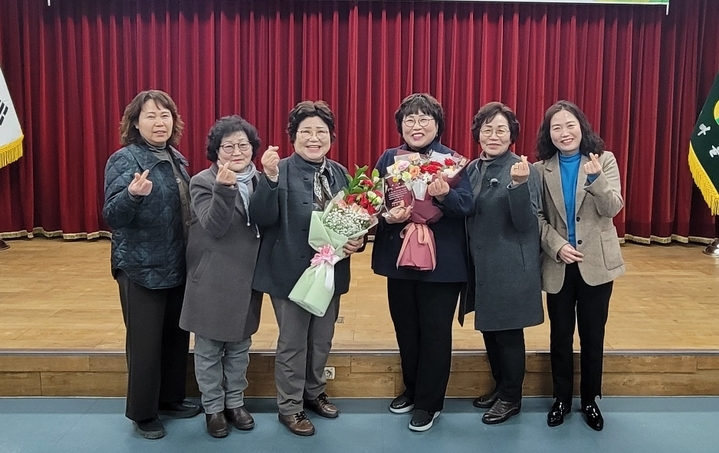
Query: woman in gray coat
[220,306]
[504,245]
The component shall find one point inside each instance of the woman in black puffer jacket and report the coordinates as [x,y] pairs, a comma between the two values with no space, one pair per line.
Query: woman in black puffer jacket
[147,206]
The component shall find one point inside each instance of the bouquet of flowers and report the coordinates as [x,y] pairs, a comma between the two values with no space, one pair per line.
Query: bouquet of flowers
[407,181]
[349,215]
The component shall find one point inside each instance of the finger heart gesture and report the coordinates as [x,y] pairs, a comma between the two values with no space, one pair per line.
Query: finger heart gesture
[593,167]
[271,161]
[520,171]
[225,176]
[438,188]
[140,186]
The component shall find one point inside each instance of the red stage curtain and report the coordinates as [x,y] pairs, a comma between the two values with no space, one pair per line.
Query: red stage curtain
[640,75]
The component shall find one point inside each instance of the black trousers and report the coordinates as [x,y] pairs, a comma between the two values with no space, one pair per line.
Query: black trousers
[589,306]
[422,314]
[505,351]
[156,347]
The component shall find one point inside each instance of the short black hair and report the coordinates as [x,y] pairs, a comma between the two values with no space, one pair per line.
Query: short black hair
[308,109]
[486,114]
[228,125]
[424,102]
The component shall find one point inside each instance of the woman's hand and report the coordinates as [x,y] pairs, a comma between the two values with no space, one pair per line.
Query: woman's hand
[353,245]
[225,176]
[140,186]
[271,163]
[593,167]
[398,214]
[439,188]
[520,172]
[570,255]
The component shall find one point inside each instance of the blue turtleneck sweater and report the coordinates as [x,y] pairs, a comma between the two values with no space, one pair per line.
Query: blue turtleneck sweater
[569,170]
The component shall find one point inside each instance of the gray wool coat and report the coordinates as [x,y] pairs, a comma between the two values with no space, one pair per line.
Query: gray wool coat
[504,244]
[220,303]
[283,212]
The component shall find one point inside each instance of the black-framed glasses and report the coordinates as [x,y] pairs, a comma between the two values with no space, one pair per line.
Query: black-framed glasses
[229,148]
[423,121]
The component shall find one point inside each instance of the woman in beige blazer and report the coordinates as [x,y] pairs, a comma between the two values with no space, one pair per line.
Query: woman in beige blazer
[581,194]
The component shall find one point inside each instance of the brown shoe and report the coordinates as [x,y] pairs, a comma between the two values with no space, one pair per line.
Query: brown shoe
[240,418]
[298,423]
[322,406]
[217,424]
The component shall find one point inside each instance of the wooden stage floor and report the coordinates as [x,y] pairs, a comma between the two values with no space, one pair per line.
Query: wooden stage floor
[58,295]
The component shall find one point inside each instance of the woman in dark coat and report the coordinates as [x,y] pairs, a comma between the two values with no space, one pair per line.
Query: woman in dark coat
[422,303]
[220,306]
[503,233]
[147,206]
[282,205]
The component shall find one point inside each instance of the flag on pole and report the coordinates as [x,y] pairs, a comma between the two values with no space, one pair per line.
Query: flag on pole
[704,150]
[10,131]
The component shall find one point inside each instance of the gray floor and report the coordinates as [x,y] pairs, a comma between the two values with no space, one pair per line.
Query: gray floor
[652,425]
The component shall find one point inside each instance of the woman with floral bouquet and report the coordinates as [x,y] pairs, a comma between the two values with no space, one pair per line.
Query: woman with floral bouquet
[282,205]
[422,303]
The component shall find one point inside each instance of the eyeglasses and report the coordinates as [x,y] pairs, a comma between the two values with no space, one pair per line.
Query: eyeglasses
[306,134]
[229,148]
[422,121]
[501,132]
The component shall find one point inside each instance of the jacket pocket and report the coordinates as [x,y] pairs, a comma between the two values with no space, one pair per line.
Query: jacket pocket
[197,275]
[611,250]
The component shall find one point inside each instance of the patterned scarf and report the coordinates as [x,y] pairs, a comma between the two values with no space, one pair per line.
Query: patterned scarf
[321,188]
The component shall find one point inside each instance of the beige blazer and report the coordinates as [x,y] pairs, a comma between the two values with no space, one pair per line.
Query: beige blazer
[596,205]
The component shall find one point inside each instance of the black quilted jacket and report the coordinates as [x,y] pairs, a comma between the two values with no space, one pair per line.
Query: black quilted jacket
[147,239]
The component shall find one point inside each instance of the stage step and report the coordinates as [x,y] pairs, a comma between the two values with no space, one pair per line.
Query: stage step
[366,374]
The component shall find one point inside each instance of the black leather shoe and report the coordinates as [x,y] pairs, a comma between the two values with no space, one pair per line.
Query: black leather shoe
[322,406]
[240,418]
[401,405]
[182,409]
[422,420]
[217,425]
[556,414]
[150,429]
[487,400]
[500,412]
[593,416]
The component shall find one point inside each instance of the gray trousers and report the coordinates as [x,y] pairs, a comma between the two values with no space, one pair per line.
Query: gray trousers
[303,348]
[221,372]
